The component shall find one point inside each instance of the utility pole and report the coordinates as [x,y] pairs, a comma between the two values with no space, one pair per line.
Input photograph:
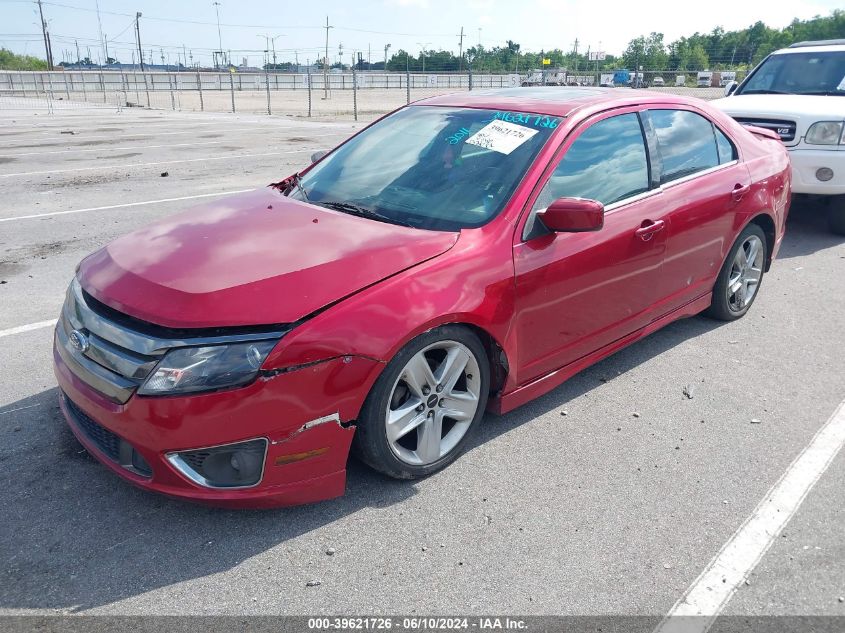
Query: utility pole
[137,39]
[77,50]
[100,29]
[50,49]
[386,47]
[326,62]
[369,58]
[47,50]
[575,55]
[422,50]
[106,44]
[340,55]
[219,36]
[461,51]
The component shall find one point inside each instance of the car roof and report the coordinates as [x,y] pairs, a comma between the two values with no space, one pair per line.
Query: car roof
[819,46]
[550,100]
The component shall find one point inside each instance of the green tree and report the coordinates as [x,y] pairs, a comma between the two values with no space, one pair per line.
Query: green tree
[649,52]
[12,61]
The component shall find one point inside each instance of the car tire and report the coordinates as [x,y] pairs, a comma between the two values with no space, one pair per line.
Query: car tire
[742,273]
[836,215]
[405,430]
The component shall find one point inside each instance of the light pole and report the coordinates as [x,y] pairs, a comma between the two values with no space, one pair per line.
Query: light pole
[219,36]
[422,52]
[326,62]
[386,47]
[266,48]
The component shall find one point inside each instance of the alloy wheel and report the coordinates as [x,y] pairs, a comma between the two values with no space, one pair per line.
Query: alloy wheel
[745,275]
[433,403]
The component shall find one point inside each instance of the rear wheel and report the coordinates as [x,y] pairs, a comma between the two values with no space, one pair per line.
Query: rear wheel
[425,405]
[741,276]
[836,215]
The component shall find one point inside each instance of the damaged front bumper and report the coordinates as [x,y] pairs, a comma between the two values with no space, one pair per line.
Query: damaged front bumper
[303,414]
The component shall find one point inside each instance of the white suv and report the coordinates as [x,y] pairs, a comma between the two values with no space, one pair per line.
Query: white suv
[799,92]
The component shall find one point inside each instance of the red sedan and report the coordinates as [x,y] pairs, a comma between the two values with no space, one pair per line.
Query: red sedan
[464,253]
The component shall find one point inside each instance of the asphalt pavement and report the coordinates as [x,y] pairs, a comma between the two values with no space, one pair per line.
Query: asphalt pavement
[609,495]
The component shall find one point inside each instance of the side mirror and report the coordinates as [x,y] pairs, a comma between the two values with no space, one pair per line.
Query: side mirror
[318,155]
[573,215]
[730,87]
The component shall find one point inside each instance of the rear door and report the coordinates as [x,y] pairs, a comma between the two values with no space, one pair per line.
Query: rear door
[704,186]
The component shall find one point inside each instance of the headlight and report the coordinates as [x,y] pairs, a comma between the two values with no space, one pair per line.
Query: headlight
[192,369]
[824,133]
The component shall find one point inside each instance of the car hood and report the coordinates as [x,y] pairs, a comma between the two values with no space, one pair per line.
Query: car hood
[254,259]
[792,107]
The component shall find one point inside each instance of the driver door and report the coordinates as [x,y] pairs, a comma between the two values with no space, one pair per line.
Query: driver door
[577,292]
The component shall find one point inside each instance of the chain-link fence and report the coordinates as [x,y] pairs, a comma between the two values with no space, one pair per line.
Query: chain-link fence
[351,94]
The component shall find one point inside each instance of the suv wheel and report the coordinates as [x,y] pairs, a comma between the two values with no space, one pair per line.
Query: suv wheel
[836,214]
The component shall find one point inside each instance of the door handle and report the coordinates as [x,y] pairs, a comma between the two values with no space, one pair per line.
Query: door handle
[739,191]
[646,232]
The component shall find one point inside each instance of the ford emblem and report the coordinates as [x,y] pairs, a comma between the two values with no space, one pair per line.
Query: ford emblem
[79,341]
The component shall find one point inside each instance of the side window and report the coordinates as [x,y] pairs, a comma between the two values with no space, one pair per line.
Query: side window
[607,162]
[686,142]
[727,151]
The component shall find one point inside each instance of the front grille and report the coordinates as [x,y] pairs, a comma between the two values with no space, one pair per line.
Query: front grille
[784,129]
[112,446]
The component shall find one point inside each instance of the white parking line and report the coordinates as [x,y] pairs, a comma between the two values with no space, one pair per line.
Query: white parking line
[127,204]
[127,134]
[139,135]
[77,150]
[711,591]
[160,162]
[27,328]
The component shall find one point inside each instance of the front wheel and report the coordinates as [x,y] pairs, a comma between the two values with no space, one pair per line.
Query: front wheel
[741,276]
[424,406]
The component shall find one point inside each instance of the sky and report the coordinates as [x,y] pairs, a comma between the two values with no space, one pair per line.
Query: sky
[367,26]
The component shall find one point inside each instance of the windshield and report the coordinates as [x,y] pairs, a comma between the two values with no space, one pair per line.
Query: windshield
[813,72]
[430,167]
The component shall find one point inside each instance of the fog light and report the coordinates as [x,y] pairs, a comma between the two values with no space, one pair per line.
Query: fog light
[824,173]
[239,465]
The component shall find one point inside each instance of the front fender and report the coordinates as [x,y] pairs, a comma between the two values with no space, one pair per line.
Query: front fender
[472,283]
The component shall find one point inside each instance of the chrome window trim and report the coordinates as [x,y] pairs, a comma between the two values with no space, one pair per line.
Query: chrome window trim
[183,468]
[698,174]
[668,185]
[640,196]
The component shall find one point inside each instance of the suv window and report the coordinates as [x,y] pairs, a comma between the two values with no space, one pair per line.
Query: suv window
[607,162]
[806,72]
[686,141]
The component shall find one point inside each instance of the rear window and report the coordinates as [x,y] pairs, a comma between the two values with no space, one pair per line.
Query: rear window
[686,142]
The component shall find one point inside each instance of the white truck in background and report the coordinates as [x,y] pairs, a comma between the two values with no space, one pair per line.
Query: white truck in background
[726,77]
[704,78]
